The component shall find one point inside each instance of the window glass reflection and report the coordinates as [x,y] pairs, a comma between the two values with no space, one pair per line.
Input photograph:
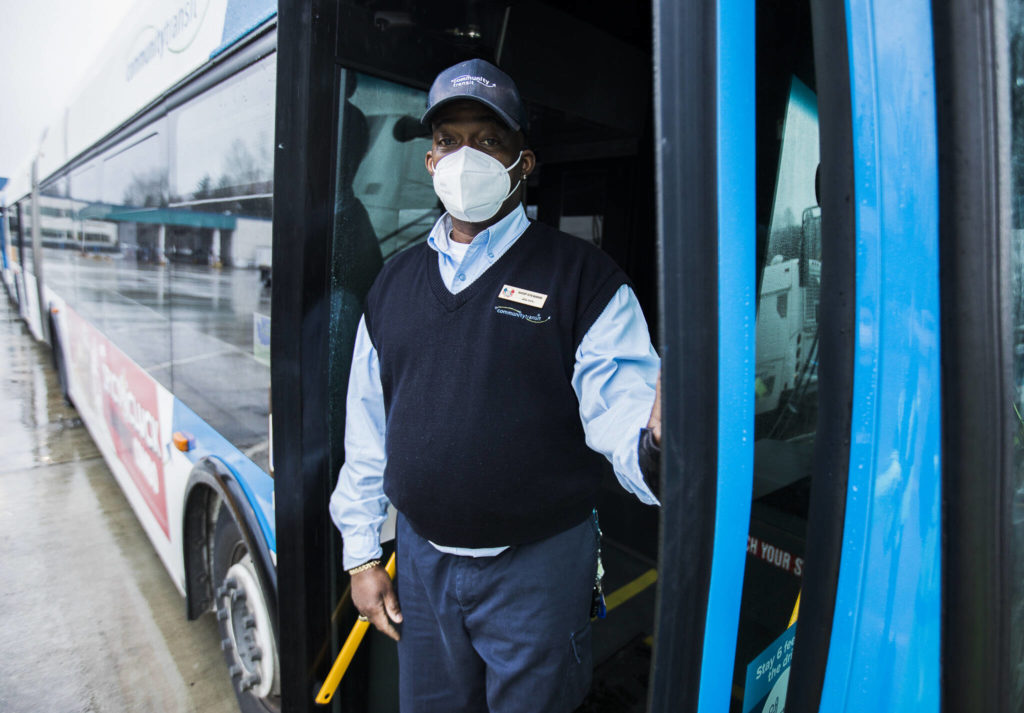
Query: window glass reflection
[223,148]
[105,261]
[22,239]
[1015,15]
[22,231]
[89,232]
[135,173]
[384,202]
[390,180]
[26,222]
[786,378]
[164,244]
[10,235]
[219,243]
[785,395]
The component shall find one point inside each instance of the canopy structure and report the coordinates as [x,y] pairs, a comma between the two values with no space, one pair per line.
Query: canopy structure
[158,216]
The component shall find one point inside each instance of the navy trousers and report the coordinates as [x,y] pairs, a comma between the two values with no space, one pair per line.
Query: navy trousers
[505,634]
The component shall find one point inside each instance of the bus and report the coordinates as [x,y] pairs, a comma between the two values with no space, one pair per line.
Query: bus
[818,204]
[133,237]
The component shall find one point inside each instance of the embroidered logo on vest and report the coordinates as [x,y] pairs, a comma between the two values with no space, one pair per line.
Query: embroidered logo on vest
[513,312]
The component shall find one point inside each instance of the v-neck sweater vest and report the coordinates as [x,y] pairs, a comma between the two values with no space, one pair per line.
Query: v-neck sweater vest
[483,436]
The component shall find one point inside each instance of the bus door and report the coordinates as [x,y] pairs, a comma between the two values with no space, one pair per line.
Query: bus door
[750,156]
[36,312]
[781,488]
[26,260]
[18,252]
[348,119]
[4,238]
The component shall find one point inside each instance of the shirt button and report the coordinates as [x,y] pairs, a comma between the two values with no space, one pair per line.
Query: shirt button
[490,255]
[462,277]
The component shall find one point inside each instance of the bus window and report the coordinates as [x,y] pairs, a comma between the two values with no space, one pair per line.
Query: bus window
[786,383]
[384,202]
[89,235]
[159,242]
[56,216]
[1015,15]
[106,264]
[218,248]
[61,238]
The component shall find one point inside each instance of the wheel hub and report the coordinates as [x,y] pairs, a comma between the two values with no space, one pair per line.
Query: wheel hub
[249,640]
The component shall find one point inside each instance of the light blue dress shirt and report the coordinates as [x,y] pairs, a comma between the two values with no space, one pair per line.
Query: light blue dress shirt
[614,378]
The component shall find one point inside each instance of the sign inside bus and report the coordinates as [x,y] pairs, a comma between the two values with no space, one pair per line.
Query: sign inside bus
[127,400]
[786,561]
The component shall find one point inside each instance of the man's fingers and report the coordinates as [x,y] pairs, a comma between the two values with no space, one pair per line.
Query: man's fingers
[374,597]
[655,422]
[391,606]
[379,618]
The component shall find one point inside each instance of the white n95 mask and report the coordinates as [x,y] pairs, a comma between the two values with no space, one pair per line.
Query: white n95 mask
[472,185]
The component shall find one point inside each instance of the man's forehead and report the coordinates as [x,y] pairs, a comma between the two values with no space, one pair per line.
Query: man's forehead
[467,110]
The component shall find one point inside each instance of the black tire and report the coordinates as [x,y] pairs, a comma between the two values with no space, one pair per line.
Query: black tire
[59,365]
[242,626]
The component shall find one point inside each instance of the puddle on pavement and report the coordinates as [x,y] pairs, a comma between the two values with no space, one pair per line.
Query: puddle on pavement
[37,426]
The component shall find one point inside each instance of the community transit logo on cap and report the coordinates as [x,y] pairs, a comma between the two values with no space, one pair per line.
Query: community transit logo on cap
[465,79]
[481,81]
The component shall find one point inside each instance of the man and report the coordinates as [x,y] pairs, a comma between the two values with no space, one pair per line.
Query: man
[495,368]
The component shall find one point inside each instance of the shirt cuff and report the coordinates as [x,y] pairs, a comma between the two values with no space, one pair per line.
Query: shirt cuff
[360,548]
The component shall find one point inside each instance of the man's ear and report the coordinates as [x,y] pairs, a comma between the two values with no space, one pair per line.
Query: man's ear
[429,162]
[529,162]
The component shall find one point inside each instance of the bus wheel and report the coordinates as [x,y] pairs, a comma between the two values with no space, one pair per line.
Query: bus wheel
[247,634]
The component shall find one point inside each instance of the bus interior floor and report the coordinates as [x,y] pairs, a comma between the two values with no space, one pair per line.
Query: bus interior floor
[622,640]
[89,619]
[620,683]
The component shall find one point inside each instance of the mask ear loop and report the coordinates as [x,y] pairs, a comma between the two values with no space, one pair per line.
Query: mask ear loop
[515,187]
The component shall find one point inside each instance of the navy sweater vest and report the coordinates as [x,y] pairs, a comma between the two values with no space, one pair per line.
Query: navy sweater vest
[484,441]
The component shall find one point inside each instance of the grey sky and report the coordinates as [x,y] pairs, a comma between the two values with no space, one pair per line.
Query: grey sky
[46,49]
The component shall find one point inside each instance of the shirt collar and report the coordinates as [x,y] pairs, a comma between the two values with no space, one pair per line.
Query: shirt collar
[496,238]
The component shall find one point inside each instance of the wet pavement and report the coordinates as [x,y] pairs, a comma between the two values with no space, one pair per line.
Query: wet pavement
[89,618]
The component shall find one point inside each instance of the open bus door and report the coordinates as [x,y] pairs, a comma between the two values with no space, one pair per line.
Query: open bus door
[348,121]
[693,160]
[353,77]
[792,454]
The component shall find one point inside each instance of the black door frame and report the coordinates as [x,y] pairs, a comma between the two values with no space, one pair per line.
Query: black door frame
[303,218]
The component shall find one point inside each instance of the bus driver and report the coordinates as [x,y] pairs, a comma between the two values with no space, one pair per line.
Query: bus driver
[495,367]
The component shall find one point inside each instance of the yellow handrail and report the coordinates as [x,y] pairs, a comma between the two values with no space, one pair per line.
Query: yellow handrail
[796,610]
[355,637]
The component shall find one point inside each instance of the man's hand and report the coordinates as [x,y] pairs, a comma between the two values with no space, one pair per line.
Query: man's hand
[375,598]
[655,422]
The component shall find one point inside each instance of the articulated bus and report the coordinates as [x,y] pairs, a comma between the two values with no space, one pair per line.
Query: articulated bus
[818,202]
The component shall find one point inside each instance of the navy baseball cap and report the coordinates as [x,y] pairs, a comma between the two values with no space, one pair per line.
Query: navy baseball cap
[481,81]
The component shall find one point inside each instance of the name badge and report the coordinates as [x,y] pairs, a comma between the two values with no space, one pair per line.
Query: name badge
[523,297]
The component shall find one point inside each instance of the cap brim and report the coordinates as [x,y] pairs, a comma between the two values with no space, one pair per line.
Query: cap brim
[425,119]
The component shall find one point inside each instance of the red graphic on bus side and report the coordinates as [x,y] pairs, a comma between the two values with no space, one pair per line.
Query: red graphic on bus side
[132,415]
